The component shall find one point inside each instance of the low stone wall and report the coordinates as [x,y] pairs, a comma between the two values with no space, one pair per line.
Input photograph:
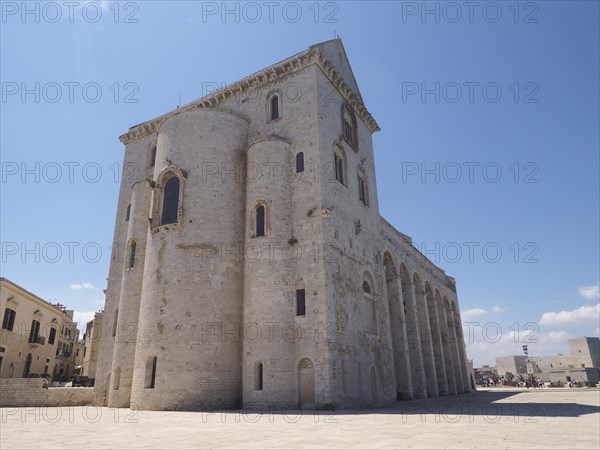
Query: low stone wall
[22,392]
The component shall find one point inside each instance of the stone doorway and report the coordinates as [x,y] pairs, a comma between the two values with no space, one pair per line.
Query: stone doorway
[306,384]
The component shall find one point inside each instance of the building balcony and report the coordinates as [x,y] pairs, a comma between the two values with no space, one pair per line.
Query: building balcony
[37,340]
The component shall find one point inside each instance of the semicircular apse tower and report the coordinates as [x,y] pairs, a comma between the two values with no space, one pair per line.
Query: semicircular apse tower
[188,349]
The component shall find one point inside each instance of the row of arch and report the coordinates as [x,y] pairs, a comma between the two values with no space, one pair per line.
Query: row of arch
[428,348]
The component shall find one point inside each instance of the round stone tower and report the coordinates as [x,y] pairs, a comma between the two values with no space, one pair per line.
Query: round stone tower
[129,302]
[269,292]
[188,350]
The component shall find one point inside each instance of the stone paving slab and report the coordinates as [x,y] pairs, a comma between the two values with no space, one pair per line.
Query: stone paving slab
[490,418]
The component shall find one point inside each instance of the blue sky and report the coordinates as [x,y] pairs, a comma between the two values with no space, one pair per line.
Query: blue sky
[511,99]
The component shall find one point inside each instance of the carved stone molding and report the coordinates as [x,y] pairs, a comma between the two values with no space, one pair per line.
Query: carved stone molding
[257,80]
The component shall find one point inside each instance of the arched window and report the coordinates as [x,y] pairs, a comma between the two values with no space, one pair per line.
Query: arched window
[258,377]
[132,254]
[128,213]
[274,107]
[260,220]
[150,380]
[170,205]
[300,162]
[339,160]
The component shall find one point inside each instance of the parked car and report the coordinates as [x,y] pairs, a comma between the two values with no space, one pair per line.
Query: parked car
[82,381]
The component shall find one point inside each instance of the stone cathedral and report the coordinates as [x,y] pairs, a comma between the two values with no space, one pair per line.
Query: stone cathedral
[251,267]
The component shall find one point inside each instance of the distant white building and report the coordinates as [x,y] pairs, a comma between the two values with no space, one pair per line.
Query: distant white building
[581,365]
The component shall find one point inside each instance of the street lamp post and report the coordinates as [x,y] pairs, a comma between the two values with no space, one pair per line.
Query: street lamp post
[528,364]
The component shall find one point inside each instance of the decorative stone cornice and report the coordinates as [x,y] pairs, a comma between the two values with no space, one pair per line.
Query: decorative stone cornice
[257,80]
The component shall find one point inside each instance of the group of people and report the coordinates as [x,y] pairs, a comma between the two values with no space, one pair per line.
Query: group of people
[534,382]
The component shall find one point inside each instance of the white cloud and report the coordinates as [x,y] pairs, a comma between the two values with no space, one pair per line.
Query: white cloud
[498,309]
[590,292]
[82,318]
[583,314]
[78,286]
[472,313]
[557,336]
[597,332]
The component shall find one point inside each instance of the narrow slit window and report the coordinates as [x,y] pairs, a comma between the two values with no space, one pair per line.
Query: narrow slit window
[300,162]
[150,381]
[115,321]
[362,190]
[260,221]
[339,168]
[274,107]
[300,302]
[153,156]
[128,213]
[258,377]
[132,254]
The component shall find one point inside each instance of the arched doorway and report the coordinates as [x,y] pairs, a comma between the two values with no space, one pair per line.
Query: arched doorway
[27,368]
[306,384]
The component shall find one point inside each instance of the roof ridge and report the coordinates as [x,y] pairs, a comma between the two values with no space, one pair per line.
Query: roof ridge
[260,78]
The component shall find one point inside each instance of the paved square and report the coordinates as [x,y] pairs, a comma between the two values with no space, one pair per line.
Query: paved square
[492,418]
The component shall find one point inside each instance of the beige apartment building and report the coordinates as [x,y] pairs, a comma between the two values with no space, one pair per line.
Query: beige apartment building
[37,338]
[90,345]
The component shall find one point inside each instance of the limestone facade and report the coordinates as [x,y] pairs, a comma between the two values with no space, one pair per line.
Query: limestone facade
[37,338]
[251,266]
[91,346]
